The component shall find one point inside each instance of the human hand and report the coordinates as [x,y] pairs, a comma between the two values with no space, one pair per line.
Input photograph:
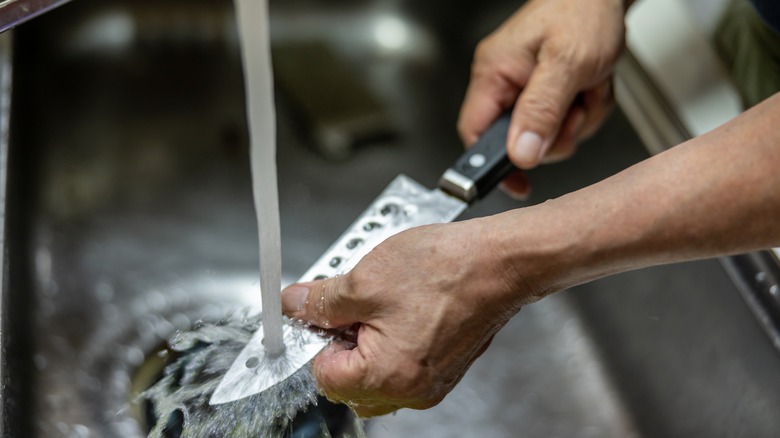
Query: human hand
[428,300]
[552,61]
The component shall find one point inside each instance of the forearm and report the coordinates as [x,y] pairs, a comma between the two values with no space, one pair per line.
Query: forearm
[714,195]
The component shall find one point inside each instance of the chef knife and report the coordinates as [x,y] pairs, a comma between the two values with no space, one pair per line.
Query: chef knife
[403,204]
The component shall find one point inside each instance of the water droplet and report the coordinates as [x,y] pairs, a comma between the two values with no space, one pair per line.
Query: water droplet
[156,301]
[181,321]
[164,328]
[335,262]
[321,277]
[134,356]
[252,362]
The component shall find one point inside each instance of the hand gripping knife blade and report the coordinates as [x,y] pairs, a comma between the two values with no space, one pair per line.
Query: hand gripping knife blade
[403,204]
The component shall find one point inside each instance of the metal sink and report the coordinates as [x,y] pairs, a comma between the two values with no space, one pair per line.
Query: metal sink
[129,216]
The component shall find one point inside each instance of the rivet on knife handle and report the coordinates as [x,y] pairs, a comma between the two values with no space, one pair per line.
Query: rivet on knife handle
[481,167]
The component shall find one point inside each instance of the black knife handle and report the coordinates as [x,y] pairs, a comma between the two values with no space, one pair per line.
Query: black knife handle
[481,167]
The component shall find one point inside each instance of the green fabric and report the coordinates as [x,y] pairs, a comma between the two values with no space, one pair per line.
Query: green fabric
[751,52]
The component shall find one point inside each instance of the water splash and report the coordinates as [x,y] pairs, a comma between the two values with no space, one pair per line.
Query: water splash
[180,399]
[255,370]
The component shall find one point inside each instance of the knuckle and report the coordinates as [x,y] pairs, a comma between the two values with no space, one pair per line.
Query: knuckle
[462,131]
[559,52]
[330,304]
[577,60]
[354,282]
[487,57]
[543,108]
[483,50]
[317,311]
[324,302]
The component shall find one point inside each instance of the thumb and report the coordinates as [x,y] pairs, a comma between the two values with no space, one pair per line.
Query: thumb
[324,303]
[539,112]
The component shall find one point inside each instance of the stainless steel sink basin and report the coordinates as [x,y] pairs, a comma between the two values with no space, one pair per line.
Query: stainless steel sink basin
[129,216]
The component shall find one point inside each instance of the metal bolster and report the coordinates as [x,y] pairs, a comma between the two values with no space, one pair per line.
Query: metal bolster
[456,184]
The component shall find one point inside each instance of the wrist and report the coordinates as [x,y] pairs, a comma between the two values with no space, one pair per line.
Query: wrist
[561,243]
[536,251]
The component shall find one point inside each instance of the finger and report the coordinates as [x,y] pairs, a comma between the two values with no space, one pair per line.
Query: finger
[368,411]
[516,185]
[325,303]
[487,97]
[566,142]
[498,74]
[340,372]
[598,103]
[539,112]
[586,115]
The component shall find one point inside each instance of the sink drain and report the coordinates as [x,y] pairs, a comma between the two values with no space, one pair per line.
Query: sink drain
[176,382]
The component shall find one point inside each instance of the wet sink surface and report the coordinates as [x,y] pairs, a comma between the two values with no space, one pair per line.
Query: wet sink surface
[133,218]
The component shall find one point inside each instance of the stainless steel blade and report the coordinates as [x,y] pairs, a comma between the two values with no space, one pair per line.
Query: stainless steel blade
[403,204]
[253,372]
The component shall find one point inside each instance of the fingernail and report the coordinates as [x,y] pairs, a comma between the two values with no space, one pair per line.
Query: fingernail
[294,298]
[528,148]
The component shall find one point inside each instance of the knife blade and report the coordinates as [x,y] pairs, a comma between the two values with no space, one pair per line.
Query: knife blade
[403,204]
